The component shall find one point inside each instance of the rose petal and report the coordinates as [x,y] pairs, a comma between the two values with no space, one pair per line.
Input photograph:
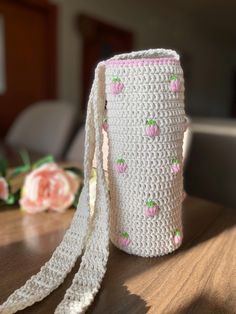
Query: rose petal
[4,191]
[31,207]
[49,187]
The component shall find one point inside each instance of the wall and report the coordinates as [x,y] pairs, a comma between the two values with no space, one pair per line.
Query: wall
[155,25]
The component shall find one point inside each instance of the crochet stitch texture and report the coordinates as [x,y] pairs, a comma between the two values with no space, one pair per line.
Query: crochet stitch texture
[145,123]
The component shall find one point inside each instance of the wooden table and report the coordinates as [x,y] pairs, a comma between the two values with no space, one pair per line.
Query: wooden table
[198,278]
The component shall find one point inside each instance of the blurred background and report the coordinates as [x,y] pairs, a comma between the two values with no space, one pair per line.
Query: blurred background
[48,50]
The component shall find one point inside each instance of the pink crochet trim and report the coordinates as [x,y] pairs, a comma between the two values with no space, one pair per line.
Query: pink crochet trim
[144,61]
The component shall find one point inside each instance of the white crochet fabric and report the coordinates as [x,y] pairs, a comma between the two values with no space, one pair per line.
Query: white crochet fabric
[146,95]
[145,126]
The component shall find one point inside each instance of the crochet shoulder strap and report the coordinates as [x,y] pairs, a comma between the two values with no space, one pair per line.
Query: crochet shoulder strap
[82,232]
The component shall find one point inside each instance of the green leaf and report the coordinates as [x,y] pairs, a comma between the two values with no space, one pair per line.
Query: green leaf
[75,170]
[25,157]
[3,168]
[13,198]
[10,200]
[43,161]
[77,195]
[20,169]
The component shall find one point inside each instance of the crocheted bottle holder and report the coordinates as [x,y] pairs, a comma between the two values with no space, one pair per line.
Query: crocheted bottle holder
[145,122]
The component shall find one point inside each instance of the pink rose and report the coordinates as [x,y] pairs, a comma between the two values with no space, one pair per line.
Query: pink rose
[49,187]
[4,191]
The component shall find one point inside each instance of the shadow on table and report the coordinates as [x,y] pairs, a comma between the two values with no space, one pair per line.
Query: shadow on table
[131,303]
[204,305]
[203,220]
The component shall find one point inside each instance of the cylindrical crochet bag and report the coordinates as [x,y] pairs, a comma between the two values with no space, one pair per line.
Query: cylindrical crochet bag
[140,207]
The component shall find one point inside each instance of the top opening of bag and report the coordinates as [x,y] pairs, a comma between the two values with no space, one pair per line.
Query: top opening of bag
[143,57]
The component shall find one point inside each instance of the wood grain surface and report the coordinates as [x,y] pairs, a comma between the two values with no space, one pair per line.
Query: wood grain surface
[198,278]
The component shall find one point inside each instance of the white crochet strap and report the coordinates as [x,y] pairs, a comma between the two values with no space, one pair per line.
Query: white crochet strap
[86,282]
[53,273]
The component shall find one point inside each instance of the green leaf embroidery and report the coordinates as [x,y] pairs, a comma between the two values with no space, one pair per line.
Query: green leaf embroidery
[151,204]
[125,235]
[120,161]
[175,161]
[173,77]
[177,232]
[151,122]
[116,79]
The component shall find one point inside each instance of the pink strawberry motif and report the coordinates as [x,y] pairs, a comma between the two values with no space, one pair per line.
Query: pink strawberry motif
[151,209]
[175,167]
[124,239]
[105,125]
[175,84]
[120,166]
[116,86]
[177,238]
[152,129]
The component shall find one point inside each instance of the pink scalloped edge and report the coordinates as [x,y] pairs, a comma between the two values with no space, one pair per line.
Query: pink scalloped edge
[144,61]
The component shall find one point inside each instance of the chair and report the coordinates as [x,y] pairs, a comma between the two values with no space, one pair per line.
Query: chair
[44,127]
[210,170]
[76,150]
